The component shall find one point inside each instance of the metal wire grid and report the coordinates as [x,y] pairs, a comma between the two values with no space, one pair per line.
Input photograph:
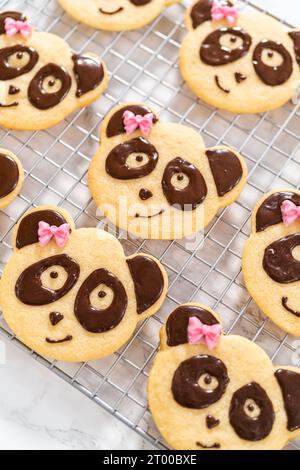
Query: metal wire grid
[144,67]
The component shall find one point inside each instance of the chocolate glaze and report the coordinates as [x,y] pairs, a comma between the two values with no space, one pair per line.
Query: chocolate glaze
[212,422]
[148,281]
[55,318]
[177,323]
[140,3]
[289,382]
[201,12]
[247,427]
[190,197]
[13,90]
[145,194]
[295,36]
[7,71]
[115,125]
[15,15]
[28,228]
[226,169]
[284,303]
[100,320]
[272,76]
[212,53]
[185,387]
[29,289]
[9,175]
[116,162]
[279,262]
[269,213]
[89,73]
[37,95]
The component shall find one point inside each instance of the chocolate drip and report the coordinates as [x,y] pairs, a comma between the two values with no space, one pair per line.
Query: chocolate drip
[41,99]
[9,175]
[7,71]
[89,73]
[277,75]
[115,125]
[226,169]
[289,382]
[213,53]
[269,212]
[295,36]
[279,262]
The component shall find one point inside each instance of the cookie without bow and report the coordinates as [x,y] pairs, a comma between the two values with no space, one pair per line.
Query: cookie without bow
[158,180]
[41,80]
[227,396]
[271,261]
[71,294]
[249,64]
[11,177]
[122,15]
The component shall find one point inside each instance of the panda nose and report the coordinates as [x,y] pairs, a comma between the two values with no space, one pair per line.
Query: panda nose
[55,318]
[212,422]
[145,194]
[13,90]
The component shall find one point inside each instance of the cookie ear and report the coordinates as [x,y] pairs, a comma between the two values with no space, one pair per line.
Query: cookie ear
[199,13]
[114,123]
[15,15]
[269,210]
[150,283]
[228,170]
[178,321]
[26,232]
[89,73]
[289,382]
[295,36]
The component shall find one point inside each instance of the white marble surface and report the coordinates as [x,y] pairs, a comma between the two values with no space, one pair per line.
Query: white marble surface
[38,410]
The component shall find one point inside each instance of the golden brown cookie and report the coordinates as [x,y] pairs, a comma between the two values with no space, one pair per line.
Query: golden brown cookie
[11,177]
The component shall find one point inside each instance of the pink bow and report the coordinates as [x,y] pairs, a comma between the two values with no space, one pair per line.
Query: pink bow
[60,234]
[13,27]
[290,212]
[135,121]
[200,333]
[221,11]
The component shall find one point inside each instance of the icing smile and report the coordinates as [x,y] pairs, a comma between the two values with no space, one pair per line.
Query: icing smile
[150,216]
[9,105]
[111,12]
[59,341]
[219,85]
[216,445]
[284,302]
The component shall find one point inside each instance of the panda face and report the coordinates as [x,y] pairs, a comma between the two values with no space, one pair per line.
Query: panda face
[250,67]
[41,81]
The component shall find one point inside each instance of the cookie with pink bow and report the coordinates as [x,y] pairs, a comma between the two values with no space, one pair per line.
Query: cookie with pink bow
[158,180]
[210,391]
[72,294]
[238,59]
[271,258]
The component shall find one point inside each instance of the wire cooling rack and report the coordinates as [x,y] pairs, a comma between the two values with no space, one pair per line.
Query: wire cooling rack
[143,66]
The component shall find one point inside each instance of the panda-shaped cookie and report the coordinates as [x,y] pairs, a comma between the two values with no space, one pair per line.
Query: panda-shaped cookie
[122,15]
[11,177]
[41,80]
[208,391]
[72,295]
[158,180]
[271,258]
[243,62]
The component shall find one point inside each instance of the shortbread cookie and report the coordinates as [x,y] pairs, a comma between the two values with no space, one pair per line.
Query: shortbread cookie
[120,16]
[209,391]
[41,80]
[271,261]
[158,180]
[243,64]
[11,177]
[72,295]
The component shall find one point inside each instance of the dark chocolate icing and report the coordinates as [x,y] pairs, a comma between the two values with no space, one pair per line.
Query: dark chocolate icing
[279,262]
[145,194]
[212,422]
[13,90]
[269,213]
[216,445]
[100,320]
[295,36]
[116,162]
[140,3]
[284,303]
[289,382]
[178,321]
[59,341]
[7,71]
[9,175]
[41,99]
[115,125]
[113,12]
[55,318]
[185,384]
[89,73]
[272,76]
[239,77]
[148,281]
[226,169]
[15,15]
[190,197]
[218,83]
[29,288]
[212,53]
[28,228]
[201,12]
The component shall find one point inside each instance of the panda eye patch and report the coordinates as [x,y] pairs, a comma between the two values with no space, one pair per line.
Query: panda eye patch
[272,62]
[225,45]
[16,61]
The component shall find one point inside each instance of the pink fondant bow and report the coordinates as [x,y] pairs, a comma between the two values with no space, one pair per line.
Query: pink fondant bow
[59,234]
[290,212]
[222,11]
[198,332]
[135,121]
[13,27]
